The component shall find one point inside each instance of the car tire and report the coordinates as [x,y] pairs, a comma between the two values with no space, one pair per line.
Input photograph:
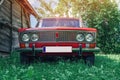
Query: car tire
[24,58]
[89,60]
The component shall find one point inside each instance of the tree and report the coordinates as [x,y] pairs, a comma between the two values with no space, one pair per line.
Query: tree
[101,14]
[46,8]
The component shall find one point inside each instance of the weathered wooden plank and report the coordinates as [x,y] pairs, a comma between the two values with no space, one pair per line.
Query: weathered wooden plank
[16,15]
[5,17]
[24,20]
[5,43]
[15,39]
[16,23]
[6,2]
[4,36]
[6,5]
[4,48]
[5,31]
[5,11]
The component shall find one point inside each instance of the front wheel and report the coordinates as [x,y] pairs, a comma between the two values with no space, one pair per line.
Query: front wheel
[89,59]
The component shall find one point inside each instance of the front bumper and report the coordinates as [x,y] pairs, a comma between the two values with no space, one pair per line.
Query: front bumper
[40,50]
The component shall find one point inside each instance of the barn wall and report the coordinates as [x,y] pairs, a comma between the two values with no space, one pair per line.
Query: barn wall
[25,21]
[5,26]
[5,12]
[12,17]
[5,38]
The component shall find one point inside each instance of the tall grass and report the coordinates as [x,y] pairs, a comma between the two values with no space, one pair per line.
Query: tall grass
[107,67]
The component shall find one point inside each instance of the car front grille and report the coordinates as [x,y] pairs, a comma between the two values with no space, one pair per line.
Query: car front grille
[67,36]
[47,36]
[62,36]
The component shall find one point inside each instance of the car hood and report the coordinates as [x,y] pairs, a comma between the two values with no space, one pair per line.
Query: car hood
[58,28]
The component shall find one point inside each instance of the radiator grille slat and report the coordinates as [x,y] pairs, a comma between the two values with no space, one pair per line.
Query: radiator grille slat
[47,36]
[67,36]
[63,36]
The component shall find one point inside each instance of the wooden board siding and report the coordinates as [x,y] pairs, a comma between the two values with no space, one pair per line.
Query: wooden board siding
[12,17]
[24,19]
[19,19]
[5,29]
[16,15]
[15,41]
[5,38]
[5,12]
[16,23]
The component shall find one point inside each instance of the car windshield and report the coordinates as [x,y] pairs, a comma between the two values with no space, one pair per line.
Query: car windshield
[59,23]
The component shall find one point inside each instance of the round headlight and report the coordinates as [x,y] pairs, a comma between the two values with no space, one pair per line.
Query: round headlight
[25,37]
[89,37]
[34,37]
[80,37]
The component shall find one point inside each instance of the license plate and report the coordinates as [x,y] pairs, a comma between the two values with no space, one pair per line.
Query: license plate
[59,49]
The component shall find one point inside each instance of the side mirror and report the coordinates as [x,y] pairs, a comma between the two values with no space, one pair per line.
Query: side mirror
[85,24]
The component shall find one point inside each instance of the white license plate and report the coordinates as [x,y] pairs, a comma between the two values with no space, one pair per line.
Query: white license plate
[59,49]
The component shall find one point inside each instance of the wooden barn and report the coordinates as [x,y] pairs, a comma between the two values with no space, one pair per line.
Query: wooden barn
[14,14]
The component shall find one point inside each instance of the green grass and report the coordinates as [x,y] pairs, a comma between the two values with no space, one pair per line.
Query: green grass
[107,67]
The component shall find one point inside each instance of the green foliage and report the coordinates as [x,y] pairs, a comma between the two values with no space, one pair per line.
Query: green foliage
[106,68]
[100,14]
[104,16]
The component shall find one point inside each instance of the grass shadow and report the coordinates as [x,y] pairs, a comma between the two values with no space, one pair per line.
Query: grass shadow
[56,60]
[107,60]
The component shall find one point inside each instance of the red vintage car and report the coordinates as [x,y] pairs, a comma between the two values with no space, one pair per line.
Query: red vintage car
[58,37]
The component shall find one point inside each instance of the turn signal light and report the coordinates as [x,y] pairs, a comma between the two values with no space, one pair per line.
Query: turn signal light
[92,45]
[22,45]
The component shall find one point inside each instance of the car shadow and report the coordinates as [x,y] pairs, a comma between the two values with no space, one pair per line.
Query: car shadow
[55,60]
[100,61]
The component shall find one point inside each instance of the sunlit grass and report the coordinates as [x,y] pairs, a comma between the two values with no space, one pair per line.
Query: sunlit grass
[106,68]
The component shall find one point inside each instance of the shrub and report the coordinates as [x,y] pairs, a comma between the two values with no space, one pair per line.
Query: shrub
[105,16]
